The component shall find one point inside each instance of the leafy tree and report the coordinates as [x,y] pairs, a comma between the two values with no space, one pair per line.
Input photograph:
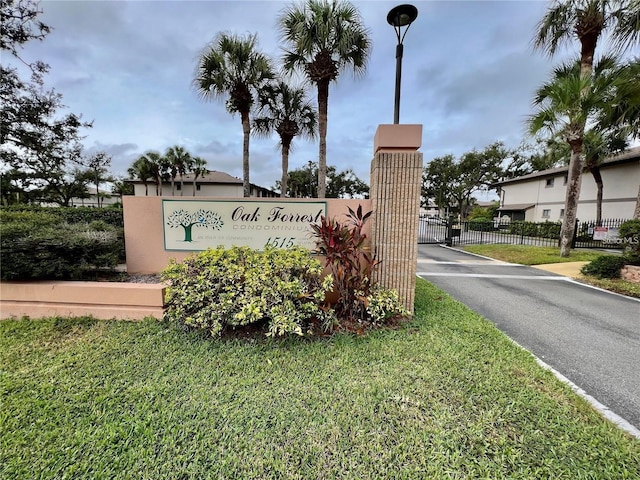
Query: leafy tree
[66,187]
[451,182]
[528,158]
[322,38]
[565,105]
[122,187]
[303,183]
[285,110]
[20,24]
[586,21]
[198,169]
[142,170]
[98,166]
[232,67]
[34,138]
[345,184]
[179,162]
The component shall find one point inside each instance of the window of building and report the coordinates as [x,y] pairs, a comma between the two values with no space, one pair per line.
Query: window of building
[197,187]
[178,187]
[549,182]
[566,179]
[546,213]
[562,213]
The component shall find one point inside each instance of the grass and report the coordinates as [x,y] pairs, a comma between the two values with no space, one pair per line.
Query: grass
[444,396]
[617,285]
[531,255]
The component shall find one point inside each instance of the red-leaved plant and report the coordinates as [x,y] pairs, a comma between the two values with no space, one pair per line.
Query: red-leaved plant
[343,246]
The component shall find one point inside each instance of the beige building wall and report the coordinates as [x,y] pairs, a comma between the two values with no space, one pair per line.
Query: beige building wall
[144,234]
[620,184]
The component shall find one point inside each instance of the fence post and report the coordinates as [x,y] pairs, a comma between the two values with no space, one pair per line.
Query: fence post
[448,241]
[575,234]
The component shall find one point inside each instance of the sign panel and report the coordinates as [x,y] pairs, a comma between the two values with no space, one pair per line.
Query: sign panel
[600,233]
[195,225]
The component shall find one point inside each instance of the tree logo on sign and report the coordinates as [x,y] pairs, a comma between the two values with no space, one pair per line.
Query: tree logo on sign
[200,218]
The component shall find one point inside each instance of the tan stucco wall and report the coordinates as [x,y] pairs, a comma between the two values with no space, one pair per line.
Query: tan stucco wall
[620,184]
[144,237]
[104,300]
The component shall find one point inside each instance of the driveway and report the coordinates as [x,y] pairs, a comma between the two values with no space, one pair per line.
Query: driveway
[590,336]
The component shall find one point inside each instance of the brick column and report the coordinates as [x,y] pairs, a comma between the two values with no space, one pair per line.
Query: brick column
[396,178]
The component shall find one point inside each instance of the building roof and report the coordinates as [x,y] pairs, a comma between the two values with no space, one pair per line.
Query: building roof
[516,207]
[630,155]
[213,176]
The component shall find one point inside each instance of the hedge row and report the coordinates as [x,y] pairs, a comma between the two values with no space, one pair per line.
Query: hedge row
[38,244]
[112,216]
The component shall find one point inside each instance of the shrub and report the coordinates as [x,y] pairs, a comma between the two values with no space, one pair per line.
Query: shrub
[532,229]
[111,216]
[37,245]
[351,266]
[606,266]
[220,288]
[630,232]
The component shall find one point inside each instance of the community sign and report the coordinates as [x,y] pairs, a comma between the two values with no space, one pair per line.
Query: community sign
[195,225]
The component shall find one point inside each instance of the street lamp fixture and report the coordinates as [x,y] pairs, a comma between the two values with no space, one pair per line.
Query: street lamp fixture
[399,17]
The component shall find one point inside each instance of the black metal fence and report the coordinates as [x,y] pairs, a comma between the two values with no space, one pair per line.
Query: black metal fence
[588,234]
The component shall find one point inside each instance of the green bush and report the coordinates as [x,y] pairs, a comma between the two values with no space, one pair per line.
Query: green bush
[220,288]
[532,229]
[111,216]
[606,266]
[481,225]
[38,245]
[630,232]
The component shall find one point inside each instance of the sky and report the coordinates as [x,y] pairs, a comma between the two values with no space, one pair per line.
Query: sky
[469,74]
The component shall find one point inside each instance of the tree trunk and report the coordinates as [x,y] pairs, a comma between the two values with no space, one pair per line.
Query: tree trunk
[323,99]
[181,186]
[597,176]
[574,182]
[246,130]
[195,178]
[173,186]
[285,168]
[636,212]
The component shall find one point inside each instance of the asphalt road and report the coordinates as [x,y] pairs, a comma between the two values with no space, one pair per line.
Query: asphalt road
[589,336]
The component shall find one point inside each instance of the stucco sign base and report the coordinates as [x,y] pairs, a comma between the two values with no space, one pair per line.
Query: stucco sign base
[102,300]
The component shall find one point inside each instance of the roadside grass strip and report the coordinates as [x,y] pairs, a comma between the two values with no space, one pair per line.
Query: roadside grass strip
[443,396]
[531,255]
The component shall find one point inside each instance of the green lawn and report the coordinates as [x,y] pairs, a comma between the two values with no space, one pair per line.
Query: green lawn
[444,396]
[530,255]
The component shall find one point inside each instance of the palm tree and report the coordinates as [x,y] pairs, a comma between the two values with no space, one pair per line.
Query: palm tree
[598,145]
[232,67]
[565,104]
[179,160]
[159,168]
[141,170]
[286,111]
[198,169]
[585,20]
[322,38]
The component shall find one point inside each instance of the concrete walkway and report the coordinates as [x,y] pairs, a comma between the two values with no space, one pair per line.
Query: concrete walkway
[566,269]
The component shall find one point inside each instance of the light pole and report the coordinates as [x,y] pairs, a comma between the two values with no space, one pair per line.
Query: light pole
[398,17]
